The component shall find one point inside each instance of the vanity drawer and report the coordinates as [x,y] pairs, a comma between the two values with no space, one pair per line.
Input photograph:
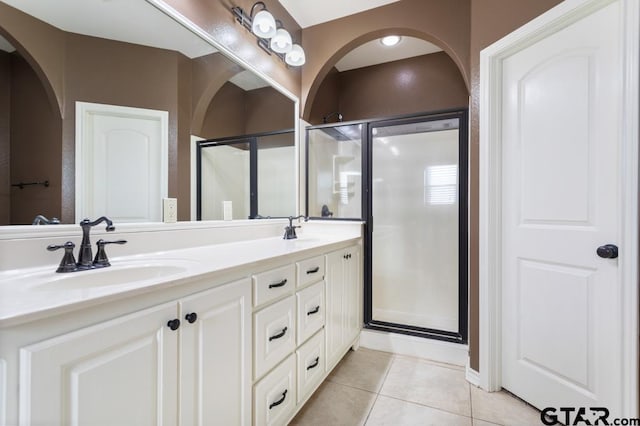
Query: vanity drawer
[274,397]
[272,284]
[311,365]
[274,335]
[311,310]
[310,270]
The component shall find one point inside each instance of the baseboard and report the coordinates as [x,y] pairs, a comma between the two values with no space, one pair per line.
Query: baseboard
[435,350]
[472,375]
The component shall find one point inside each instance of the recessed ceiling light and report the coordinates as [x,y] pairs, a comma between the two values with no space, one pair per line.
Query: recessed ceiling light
[391,40]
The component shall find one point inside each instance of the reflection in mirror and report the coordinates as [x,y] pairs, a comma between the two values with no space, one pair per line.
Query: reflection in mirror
[54,54]
[247,177]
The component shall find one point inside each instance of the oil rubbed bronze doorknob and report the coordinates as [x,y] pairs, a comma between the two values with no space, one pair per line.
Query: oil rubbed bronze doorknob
[608,251]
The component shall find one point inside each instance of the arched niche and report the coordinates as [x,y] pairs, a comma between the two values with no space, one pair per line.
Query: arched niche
[42,46]
[443,23]
[425,82]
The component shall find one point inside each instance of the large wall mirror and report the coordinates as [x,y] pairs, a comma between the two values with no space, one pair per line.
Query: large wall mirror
[123,53]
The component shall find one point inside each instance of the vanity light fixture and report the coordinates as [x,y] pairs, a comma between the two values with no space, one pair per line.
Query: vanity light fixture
[391,40]
[264,26]
[295,57]
[281,42]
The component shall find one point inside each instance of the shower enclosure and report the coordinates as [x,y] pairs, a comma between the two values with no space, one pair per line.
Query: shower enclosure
[407,179]
[256,173]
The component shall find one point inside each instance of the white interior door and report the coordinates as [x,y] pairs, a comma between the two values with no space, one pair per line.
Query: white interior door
[121,162]
[561,186]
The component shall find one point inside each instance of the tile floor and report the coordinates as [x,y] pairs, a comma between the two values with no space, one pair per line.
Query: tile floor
[378,388]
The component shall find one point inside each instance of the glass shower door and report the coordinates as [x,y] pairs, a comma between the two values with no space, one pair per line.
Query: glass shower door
[415,240]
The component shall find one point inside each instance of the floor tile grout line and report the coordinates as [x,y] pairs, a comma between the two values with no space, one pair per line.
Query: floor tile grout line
[433,363]
[371,409]
[386,374]
[427,406]
[470,403]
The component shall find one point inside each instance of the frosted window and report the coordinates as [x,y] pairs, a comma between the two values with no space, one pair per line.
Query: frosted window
[440,184]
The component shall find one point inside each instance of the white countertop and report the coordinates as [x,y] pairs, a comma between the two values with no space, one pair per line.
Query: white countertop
[31,293]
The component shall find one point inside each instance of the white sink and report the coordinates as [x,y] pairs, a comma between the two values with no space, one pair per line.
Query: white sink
[126,272]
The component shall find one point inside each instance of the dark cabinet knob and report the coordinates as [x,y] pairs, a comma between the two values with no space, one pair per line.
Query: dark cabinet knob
[174,324]
[191,317]
[608,251]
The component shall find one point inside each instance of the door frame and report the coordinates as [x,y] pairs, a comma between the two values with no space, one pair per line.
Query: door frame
[490,221]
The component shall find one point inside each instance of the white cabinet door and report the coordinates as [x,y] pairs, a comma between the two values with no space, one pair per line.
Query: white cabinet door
[343,283]
[215,361]
[121,372]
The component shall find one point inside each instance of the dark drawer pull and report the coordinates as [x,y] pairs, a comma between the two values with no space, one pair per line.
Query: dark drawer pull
[280,284]
[313,271]
[279,335]
[191,317]
[314,310]
[315,363]
[280,401]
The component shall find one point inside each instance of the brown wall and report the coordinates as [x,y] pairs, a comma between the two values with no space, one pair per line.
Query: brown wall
[36,39]
[5,93]
[490,21]
[424,83]
[35,146]
[327,99]
[267,110]
[224,116]
[235,112]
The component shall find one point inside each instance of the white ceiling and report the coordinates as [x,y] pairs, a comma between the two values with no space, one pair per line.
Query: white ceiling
[129,21]
[374,53]
[312,12]
[247,80]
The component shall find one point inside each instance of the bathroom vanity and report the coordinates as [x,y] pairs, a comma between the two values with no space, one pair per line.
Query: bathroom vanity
[234,327]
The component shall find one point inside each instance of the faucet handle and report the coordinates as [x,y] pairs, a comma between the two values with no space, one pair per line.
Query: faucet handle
[101,260]
[68,262]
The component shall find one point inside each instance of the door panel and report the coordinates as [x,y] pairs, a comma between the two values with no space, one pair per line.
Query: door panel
[415,238]
[560,301]
[122,153]
[544,93]
[215,362]
[121,372]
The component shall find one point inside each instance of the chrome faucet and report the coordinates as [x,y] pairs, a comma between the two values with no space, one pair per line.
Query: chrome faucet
[290,231]
[42,220]
[85,254]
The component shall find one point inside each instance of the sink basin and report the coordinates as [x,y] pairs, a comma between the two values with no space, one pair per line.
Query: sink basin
[116,274]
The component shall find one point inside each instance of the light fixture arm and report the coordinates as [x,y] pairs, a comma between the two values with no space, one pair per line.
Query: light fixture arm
[259,3]
[295,58]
